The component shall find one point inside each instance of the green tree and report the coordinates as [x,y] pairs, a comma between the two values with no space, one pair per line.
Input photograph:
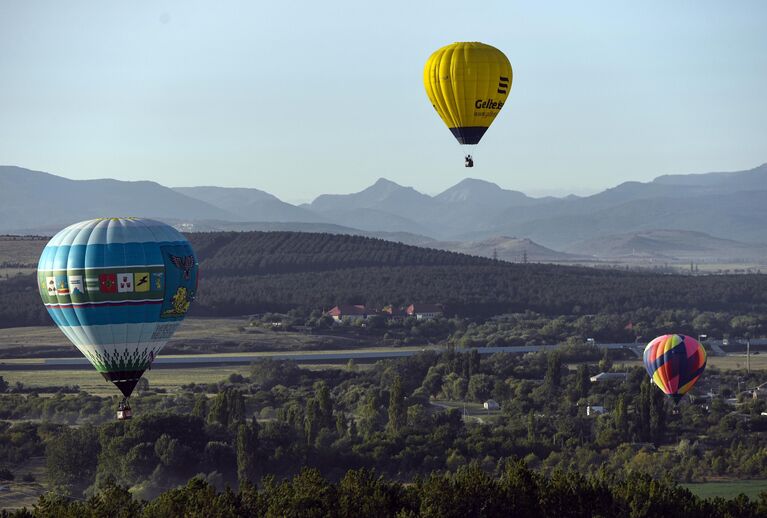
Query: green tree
[200,408]
[312,420]
[370,415]
[342,427]
[621,419]
[553,376]
[582,381]
[531,427]
[650,417]
[227,408]
[474,364]
[606,363]
[361,493]
[114,501]
[167,449]
[72,459]
[307,495]
[325,405]
[397,409]
[480,387]
[248,469]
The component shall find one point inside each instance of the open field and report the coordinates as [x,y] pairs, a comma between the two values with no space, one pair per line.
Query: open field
[91,381]
[24,250]
[729,489]
[195,335]
[11,271]
[471,411]
[167,379]
[729,362]
[24,494]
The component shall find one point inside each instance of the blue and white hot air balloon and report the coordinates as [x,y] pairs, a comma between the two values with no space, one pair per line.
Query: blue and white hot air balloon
[118,288]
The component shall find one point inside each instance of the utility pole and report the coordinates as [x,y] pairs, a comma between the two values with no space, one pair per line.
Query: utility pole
[748,355]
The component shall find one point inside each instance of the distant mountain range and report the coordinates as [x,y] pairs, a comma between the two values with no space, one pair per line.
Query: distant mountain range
[676,217]
[669,245]
[511,249]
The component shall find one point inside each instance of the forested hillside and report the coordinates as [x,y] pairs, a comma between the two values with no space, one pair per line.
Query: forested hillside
[257,253]
[253,272]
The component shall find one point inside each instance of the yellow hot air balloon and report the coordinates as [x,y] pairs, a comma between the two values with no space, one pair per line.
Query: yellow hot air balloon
[468,84]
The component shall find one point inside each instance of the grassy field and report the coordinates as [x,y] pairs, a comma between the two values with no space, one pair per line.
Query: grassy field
[24,494]
[168,379]
[91,381]
[471,411]
[195,335]
[21,250]
[729,362]
[728,489]
[6,272]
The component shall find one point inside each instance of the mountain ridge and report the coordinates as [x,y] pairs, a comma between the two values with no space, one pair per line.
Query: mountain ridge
[723,205]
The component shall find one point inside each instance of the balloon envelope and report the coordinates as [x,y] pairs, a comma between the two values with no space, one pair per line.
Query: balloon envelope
[118,288]
[675,362]
[468,84]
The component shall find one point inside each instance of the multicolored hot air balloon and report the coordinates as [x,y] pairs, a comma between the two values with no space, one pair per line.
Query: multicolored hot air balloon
[675,362]
[118,288]
[468,84]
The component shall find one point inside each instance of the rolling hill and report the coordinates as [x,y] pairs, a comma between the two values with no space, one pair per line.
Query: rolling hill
[511,249]
[254,272]
[669,245]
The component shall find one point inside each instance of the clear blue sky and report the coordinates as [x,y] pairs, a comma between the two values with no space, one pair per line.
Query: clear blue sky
[302,98]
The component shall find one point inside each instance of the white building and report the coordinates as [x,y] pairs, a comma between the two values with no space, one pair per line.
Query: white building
[424,311]
[595,410]
[609,376]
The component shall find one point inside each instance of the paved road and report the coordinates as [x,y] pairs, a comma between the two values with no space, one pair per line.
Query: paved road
[199,360]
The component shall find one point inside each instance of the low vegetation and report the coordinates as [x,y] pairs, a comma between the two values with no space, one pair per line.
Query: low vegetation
[389,418]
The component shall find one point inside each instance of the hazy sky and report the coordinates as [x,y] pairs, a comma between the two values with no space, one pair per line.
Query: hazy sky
[302,98]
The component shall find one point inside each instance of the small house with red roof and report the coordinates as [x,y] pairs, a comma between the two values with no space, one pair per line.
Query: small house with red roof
[348,312]
[424,311]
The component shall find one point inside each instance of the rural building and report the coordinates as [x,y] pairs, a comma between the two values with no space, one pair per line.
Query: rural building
[609,376]
[348,312]
[592,410]
[491,404]
[394,313]
[424,311]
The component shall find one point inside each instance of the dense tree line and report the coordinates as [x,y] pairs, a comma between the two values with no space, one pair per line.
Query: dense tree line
[258,253]
[514,490]
[483,291]
[20,303]
[642,325]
